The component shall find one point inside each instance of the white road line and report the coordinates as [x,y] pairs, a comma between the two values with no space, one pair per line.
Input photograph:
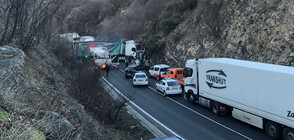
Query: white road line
[204,116]
[122,70]
[155,91]
[142,109]
[211,120]
[201,114]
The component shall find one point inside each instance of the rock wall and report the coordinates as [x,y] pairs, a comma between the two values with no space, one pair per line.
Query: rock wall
[35,97]
[256,30]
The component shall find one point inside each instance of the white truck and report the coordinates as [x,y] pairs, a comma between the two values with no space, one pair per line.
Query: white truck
[256,93]
[128,49]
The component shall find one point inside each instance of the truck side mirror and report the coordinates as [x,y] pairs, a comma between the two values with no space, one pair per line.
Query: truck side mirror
[134,49]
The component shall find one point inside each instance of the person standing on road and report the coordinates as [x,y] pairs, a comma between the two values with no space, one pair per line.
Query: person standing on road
[127,61]
[107,69]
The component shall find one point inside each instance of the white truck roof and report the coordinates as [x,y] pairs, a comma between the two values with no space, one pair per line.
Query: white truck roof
[253,65]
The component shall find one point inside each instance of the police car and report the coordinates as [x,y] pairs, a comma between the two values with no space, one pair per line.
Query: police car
[168,86]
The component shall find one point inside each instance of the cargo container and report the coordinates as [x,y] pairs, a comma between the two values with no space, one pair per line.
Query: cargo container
[259,94]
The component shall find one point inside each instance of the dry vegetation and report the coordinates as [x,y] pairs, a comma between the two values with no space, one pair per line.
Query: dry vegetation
[51,78]
[22,20]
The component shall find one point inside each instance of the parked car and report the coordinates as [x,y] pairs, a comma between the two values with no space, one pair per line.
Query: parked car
[168,86]
[132,69]
[140,78]
[157,71]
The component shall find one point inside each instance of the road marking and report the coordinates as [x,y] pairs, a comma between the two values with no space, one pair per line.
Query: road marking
[203,116]
[200,114]
[122,70]
[155,91]
[131,102]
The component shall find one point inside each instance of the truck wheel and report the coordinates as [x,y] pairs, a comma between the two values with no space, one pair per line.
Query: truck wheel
[272,129]
[191,98]
[164,93]
[288,134]
[215,107]
[186,96]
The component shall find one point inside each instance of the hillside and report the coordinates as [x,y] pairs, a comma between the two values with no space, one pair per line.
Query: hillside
[183,29]
[250,30]
[41,98]
[47,93]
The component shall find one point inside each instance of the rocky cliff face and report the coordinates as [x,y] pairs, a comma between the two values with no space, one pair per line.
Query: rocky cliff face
[31,88]
[257,30]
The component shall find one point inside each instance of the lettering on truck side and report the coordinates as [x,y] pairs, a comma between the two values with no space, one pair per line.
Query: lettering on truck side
[216,79]
[290,114]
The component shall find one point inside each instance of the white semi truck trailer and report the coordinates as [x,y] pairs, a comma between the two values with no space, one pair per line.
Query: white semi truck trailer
[256,93]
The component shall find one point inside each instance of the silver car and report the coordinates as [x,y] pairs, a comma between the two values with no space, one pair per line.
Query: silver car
[140,78]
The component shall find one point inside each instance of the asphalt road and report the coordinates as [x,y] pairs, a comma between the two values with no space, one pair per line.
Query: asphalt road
[175,116]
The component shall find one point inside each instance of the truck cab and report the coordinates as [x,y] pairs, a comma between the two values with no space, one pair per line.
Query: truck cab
[190,74]
[128,48]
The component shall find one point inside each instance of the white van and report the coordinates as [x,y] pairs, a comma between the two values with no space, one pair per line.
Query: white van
[157,71]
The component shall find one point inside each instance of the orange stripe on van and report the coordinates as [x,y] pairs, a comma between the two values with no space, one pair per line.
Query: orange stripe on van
[154,74]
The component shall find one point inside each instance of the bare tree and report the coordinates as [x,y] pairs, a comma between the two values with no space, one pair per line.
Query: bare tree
[22,20]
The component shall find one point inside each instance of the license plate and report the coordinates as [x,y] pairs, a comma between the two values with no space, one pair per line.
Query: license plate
[140,80]
[174,88]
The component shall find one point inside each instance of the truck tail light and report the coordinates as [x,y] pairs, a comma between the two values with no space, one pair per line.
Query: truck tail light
[134,80]
[223,108]
[167,89]
[180,87]
[146,79]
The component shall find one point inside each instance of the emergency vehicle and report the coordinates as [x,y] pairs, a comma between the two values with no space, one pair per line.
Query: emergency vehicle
[176,74]
[157,71]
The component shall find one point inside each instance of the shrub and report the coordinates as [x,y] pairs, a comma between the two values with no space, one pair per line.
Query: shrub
[173,14]
[63,51]
[168,24]
[3,116]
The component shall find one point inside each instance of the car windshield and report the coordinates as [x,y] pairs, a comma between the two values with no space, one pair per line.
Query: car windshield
[140,76]
[172,83]
[140,68]
[130,67]
[164,69]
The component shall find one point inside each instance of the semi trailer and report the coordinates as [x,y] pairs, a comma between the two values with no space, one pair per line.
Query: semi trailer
[259,94]
[119,49]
